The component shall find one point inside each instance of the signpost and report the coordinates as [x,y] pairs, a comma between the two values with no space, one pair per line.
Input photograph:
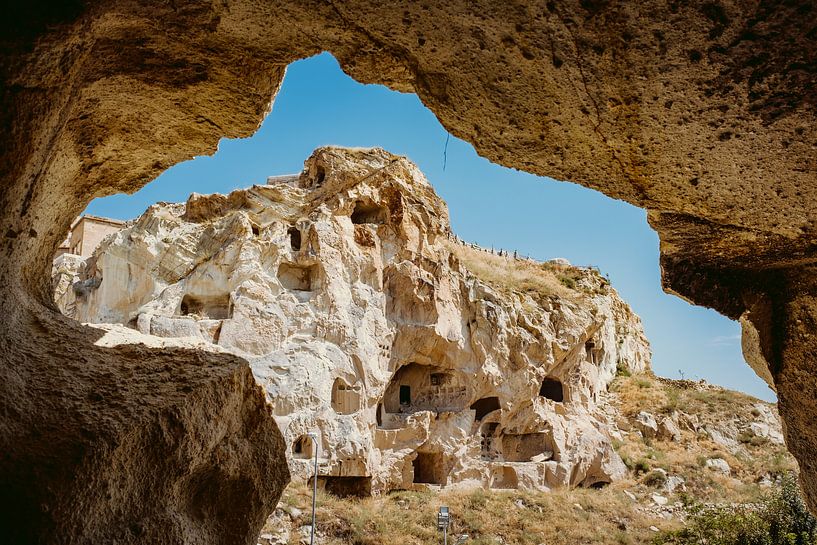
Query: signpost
[443,520]
[314,437]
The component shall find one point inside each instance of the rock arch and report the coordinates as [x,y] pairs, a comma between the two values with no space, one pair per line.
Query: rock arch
[709,124]
[485,406]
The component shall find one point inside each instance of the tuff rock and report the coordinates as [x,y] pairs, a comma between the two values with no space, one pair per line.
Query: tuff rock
[419,359]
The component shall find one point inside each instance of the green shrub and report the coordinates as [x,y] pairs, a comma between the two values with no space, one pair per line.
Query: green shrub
[655,478]
[567,282]
[621,369]
[673,401]
[641,466]
[781,518]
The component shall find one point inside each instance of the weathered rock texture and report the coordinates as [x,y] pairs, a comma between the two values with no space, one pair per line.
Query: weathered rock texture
[419,359]
[701,112]
[134,444]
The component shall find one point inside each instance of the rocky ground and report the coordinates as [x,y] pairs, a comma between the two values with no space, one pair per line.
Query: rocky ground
[685,444]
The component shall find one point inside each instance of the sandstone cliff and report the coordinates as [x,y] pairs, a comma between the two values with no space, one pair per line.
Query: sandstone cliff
[419,359]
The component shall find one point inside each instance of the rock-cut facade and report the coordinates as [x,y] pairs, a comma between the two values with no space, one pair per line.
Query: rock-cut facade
[415,359]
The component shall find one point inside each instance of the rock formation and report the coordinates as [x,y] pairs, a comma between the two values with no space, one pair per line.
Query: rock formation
[419,359]
[701,112]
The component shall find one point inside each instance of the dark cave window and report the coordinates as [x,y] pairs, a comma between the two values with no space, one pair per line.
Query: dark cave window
[552,389]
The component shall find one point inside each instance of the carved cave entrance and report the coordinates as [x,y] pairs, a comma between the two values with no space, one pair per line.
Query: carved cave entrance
[488,436]
[594,354]
[303,447]
[346,486]
[526,447]
[429,468]
[294,238]
[298,277]
[371,213]
[416,387]
[214,307]
[485,406]
[552,389]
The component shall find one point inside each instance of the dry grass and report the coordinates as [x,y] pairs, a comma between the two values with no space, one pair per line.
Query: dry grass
[520,275]
[605,517]
[639,393]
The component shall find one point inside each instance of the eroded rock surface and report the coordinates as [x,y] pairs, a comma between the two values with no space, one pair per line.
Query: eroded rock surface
[131,444]
[418,358]
[701,112]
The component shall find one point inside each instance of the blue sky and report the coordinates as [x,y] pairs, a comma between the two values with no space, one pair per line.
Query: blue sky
[491,205]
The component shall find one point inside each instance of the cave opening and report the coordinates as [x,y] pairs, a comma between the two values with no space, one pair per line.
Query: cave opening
[591,351]
[303,447]
[418,387]
[526,447]
[552,389]
[484,407]
[488,435]
[320,176]
[405,395]
[213,307]
[294,238]
[297,277]
[429,468]
[369,213]
[343,486]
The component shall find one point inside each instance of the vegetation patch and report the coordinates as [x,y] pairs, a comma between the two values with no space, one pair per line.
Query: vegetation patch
[538,279]
[598,516]
[779,518]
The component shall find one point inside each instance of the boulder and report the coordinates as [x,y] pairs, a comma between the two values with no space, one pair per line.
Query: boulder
[673,483]
[668,429]
[719,465]
[645,423]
